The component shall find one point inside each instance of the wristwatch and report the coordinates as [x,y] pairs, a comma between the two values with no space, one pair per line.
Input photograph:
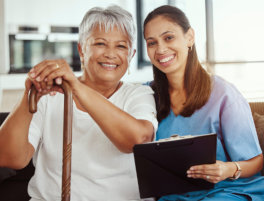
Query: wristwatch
[237,173]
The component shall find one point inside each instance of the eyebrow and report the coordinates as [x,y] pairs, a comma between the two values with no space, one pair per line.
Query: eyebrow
[106,40]
[160,34]
[99,39]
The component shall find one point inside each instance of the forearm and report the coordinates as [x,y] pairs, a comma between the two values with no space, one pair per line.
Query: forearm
[121,128]
[252,166]
[14,145]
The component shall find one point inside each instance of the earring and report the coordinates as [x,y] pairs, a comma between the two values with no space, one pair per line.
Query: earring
[190,48]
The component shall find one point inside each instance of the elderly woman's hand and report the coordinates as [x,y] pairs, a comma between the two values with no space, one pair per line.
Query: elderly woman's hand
[45,74]
[213,173]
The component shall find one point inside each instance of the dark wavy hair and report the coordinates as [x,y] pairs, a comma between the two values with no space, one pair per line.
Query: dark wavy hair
[197,81]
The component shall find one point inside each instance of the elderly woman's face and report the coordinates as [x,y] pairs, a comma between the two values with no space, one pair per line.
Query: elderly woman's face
[106,55]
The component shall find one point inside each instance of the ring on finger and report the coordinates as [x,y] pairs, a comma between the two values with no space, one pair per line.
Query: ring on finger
[207,177]
[57,65]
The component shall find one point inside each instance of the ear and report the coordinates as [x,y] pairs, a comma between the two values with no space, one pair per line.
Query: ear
[80,50]
[190,37]
[133,54]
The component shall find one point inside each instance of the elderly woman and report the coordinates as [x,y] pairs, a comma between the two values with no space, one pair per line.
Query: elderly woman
[109,117]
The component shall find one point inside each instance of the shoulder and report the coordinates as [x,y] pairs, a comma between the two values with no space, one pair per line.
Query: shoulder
[136,88]
[221,87]
[225,92]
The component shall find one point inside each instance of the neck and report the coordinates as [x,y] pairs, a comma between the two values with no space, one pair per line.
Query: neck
[176,82]
[107,89]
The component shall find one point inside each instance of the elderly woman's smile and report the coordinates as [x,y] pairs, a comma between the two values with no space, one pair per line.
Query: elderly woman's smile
[108,65]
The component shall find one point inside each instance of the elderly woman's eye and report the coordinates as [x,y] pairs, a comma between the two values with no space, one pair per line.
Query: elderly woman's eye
[122,46]
[99,44]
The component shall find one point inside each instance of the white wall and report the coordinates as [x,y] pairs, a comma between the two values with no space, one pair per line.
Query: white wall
[54,12]
[47,13]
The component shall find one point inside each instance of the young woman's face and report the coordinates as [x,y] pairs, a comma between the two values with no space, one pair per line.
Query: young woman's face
[105,55]
[167,44]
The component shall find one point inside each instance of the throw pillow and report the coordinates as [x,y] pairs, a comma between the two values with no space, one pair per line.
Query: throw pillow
[259,124]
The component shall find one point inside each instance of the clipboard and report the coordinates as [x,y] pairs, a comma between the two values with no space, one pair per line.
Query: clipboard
[161,166]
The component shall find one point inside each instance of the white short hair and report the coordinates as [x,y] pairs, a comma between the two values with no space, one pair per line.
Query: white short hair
[108,18]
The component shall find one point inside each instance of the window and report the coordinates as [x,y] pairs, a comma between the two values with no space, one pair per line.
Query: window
[238,44]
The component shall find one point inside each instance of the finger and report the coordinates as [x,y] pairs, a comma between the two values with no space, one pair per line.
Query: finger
[31,81]
[49,68]
[34,72]
[201,168]
[56,88]
[53,93]
[37,85]
[43,87]
[28,84]
[58,80]
[49,83]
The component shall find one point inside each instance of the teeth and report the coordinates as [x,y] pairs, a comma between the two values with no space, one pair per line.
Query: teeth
[166,59]
[109,65]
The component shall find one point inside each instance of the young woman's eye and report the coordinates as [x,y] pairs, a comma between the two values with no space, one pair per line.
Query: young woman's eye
[169,37]
[151,43]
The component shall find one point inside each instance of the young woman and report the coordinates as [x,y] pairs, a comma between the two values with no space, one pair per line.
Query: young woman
[109,117]
[190,101]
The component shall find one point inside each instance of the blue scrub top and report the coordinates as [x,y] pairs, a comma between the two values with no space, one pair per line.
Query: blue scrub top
[228,114]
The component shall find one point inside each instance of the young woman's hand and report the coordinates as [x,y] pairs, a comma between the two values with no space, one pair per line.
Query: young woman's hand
[213,173]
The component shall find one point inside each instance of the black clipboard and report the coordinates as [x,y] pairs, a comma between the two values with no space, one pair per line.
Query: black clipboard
[161,166]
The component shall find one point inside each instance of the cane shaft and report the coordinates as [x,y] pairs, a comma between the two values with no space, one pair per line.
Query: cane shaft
[67,136]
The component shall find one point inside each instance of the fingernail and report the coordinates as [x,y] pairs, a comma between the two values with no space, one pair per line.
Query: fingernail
[38,79]
[46,79]
[32,75]
[58,81]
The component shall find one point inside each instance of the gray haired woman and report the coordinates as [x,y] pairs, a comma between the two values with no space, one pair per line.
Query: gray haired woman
[109,116]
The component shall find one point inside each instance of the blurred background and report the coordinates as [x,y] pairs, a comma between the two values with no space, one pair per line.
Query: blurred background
[229,39]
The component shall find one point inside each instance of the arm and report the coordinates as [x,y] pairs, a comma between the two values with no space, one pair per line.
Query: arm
[15,150]
[222,170]
[120,127]
[239,134]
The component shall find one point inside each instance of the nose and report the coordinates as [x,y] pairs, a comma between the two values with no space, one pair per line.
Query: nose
[110,53]
[161,48]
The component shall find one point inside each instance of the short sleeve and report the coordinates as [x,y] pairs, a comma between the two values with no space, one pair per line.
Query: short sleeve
[37,122]
[141,105]
[238,130]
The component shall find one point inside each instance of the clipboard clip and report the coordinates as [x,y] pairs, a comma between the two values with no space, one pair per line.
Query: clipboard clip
[175,137]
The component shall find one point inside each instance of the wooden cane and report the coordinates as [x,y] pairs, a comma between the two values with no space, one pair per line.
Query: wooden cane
[67,136]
